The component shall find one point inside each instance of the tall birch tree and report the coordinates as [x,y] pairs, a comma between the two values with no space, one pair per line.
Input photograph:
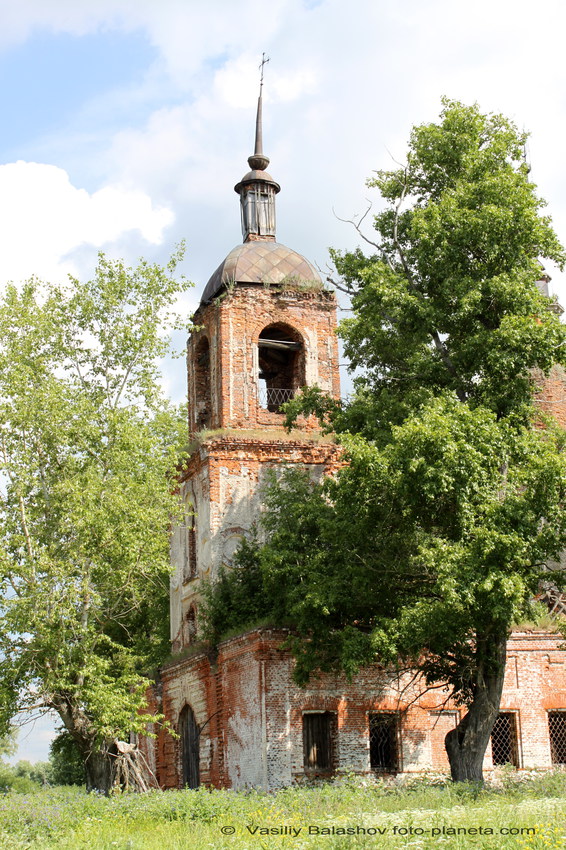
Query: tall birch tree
[88,450]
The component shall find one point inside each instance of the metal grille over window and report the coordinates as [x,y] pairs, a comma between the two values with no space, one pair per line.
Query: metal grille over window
[383,741]
[504,745]
[317,741]
[557,733]
[272,398]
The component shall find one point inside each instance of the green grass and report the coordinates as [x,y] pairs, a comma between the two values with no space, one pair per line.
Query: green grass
[419,813]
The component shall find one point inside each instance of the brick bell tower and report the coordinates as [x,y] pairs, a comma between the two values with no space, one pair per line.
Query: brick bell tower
[266,328]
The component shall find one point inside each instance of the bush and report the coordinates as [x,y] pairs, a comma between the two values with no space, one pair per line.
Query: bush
[12,780]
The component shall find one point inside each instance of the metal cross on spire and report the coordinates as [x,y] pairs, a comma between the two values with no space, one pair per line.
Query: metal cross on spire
[264,61]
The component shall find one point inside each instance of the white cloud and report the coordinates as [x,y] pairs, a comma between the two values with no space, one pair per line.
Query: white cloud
[44,218]
[237,81]
[345,83]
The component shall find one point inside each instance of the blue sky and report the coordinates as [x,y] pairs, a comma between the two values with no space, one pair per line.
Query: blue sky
[82,68]
[126,123]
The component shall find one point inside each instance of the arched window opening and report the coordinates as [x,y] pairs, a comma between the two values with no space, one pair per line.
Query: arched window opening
[191,625]
[189,734]
[202,383]
[281,366]
[190,568]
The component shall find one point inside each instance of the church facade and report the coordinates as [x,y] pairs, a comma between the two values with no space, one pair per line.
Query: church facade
[266,327]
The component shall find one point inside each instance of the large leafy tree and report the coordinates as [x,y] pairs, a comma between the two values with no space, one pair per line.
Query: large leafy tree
[432,541]
[88,448]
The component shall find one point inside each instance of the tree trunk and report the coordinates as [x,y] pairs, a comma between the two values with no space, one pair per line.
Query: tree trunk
[99,759]
[467,743]
[99,767]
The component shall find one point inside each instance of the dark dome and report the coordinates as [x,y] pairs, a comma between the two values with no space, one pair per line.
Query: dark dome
[260,262]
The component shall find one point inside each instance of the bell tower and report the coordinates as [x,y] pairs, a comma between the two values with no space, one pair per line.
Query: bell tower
[266,328]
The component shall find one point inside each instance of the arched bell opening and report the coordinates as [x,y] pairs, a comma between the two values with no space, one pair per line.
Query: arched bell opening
[202,384]
[189,740]
[281,365]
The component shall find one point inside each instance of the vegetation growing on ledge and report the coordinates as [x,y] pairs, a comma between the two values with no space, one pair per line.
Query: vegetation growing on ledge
[299,284]
[292,435]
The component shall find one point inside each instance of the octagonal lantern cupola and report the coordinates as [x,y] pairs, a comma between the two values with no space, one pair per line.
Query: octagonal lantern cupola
[257,190]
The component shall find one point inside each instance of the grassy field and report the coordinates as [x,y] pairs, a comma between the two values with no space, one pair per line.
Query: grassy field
[524,815]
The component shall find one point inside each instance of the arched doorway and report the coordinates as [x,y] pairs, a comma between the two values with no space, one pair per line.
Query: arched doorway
[189,734]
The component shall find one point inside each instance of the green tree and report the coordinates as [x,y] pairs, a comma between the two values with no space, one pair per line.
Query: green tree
[9,742]
[88,449]
[65,766]
[36,772]
[431,542]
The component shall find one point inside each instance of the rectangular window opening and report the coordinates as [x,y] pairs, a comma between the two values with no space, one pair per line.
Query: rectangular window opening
[318,750]
[384,741]
[557,734]
[442,721]
[504,743]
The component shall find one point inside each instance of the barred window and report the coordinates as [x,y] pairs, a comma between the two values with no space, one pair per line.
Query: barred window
[504,744]
[317,740]
[557,734]
[384,741]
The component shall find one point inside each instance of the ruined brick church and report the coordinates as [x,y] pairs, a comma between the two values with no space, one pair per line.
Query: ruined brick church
[266,327]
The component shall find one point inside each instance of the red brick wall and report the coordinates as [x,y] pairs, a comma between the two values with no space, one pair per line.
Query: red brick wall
[251,711]
[233,324]
[552,393]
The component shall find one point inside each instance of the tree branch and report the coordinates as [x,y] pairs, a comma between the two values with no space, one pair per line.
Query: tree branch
[357,226]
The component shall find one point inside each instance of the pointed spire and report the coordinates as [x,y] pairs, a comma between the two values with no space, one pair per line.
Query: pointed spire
[257,189]
[258,161]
